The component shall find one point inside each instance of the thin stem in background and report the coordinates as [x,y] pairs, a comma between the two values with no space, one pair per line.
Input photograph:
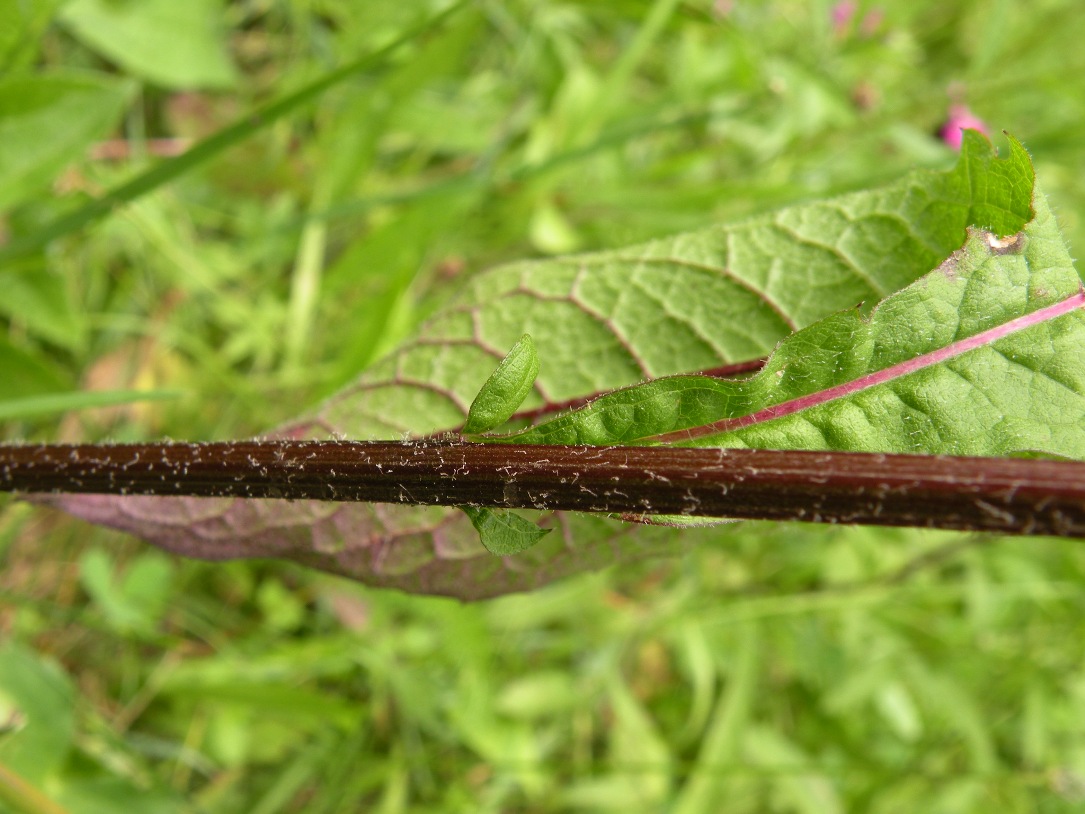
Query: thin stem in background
[1007,495]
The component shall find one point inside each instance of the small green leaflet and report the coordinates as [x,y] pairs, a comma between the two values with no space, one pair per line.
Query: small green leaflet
[503,532]
[505,390]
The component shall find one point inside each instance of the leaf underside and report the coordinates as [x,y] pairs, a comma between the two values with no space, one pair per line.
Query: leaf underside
[691,302]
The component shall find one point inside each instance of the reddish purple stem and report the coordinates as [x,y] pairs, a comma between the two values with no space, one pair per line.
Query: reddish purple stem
[982,494]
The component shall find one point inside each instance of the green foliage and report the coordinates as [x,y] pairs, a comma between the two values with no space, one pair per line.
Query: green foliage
[134,603]
[47,121]
[1018,393]
[38,703]
[779,668]
[506,388]
[179,45]
[504,533]
[38,700]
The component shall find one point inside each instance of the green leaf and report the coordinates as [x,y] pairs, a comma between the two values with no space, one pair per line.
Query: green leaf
[41,302]
[135,603]
[690,302]
[980,357]
[176,45]
[24,372]
[502,532]
[506,388]
[46,122]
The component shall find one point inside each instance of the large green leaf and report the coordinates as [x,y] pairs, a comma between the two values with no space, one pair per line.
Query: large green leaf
[681,304]
[686,303]
[980,357]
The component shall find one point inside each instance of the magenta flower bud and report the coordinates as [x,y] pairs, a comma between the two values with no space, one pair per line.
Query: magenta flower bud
[842,14]
[961,118]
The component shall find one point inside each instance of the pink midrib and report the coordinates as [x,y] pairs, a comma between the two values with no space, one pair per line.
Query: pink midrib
[950,351]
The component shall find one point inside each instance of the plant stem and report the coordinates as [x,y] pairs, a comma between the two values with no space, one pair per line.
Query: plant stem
[981,494]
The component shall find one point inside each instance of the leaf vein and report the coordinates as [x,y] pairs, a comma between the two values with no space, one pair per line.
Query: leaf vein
[729,275]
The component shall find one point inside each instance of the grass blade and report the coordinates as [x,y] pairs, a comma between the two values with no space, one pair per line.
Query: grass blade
[63,402]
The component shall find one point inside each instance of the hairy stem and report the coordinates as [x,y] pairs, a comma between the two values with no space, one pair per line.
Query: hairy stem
[980,494]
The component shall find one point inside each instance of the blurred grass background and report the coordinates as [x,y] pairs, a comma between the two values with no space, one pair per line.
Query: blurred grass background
[795,670]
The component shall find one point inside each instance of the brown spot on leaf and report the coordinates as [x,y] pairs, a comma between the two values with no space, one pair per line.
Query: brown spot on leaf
[949,266]
[1012,244]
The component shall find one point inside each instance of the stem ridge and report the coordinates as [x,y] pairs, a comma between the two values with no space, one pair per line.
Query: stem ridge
[1008,495]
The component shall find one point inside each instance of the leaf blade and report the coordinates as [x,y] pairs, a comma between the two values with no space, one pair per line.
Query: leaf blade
[961,317]
[46,404]
[177,45]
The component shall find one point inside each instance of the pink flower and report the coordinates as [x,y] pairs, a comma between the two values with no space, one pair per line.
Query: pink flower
[960,118]
[842,13]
